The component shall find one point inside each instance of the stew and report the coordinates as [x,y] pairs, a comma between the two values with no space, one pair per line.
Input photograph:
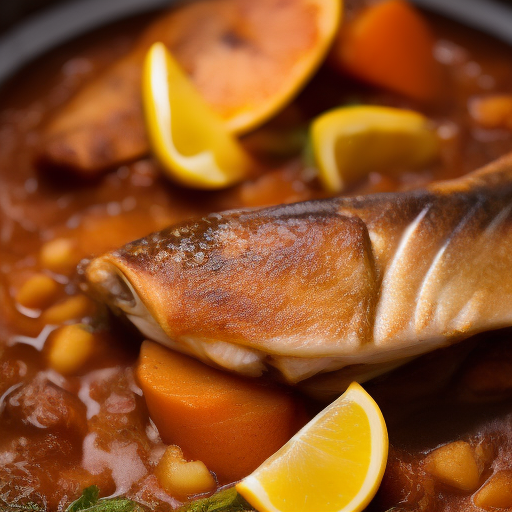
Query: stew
[77,408]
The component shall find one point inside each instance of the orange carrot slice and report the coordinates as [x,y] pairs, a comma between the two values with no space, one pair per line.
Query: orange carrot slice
[229,422]
[390,45]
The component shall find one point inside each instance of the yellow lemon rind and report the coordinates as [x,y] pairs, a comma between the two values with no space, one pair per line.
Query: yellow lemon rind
[252,490]
[353,122]
[197,171]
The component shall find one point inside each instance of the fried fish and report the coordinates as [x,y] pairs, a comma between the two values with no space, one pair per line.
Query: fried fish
[324,285]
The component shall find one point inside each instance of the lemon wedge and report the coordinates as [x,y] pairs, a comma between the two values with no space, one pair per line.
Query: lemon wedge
[334,464]
[249,59]
[187,138]
[350,142]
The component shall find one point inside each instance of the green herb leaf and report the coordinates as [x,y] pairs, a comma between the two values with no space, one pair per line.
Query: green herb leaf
[115,505]
[89,502]
[308,154]
[89,497]
[227,500]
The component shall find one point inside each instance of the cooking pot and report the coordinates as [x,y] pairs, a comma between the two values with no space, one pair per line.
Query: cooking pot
[53,26]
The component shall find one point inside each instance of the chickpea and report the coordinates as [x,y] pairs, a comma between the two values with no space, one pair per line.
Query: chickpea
[59,255]
[37,292]
[70,348]
[496,493]
[454,464]
[73,308]
[180,478]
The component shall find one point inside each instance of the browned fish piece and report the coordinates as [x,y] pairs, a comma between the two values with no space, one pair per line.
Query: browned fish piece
[235,51]
[318,286]
[100,126]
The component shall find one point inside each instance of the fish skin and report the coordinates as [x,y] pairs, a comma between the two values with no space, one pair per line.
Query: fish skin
[278,260]
[102,125]
[336,282]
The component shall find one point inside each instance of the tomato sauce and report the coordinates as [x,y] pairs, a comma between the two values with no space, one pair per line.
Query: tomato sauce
[62,433]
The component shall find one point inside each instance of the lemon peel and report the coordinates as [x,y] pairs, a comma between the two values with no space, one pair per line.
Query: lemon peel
[350,142]
[333,464]
[187,138]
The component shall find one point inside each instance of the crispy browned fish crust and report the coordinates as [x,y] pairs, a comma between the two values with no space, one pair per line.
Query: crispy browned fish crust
[320,285]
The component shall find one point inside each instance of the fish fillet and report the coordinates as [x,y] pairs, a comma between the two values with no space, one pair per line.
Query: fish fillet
[320,286]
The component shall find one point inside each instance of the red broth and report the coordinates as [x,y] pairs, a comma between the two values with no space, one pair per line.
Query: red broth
[60,434]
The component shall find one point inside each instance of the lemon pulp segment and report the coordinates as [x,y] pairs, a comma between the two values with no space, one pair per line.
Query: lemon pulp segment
[350,142]
[335,463]
[187,138]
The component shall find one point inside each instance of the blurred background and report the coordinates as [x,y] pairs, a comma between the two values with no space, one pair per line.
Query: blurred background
[11,11]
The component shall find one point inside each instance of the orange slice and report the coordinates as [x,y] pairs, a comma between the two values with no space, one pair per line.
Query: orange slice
[334,464]
[248,58]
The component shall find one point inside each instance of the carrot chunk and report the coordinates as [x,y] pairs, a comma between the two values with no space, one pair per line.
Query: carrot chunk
[492,111]
[390,45]
[230,423]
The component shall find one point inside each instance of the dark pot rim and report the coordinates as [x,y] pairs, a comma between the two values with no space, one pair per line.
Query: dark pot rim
[54,26]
